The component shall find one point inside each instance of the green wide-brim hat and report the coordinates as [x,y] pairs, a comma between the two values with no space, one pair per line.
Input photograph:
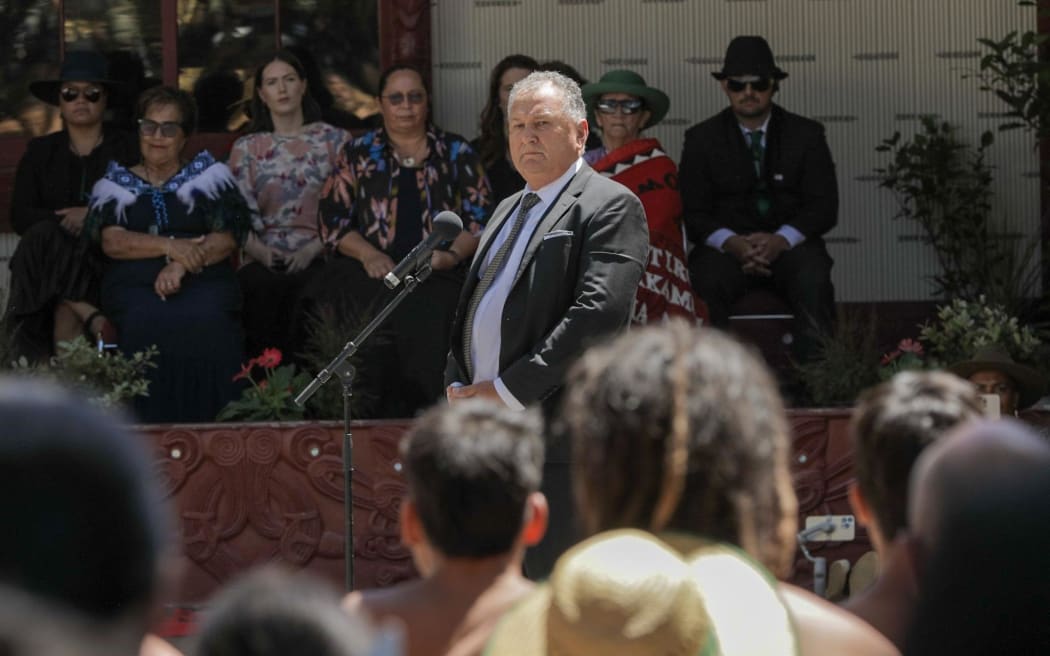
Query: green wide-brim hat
[629,82]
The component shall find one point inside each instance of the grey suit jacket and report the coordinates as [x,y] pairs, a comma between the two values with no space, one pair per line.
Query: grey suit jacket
[576,283]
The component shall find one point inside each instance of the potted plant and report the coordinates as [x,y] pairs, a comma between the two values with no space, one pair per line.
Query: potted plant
[108,377]
[269,397]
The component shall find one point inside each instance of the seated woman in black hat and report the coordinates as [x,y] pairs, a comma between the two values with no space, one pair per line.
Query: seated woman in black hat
[55,274]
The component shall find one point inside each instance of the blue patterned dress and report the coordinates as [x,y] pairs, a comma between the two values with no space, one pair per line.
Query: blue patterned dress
[197,330]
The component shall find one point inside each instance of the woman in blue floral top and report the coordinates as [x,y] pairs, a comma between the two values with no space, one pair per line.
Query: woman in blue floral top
[168,229]
[387,187]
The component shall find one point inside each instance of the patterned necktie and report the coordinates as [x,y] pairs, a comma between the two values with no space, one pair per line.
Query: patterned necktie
[758,153]
[528,201]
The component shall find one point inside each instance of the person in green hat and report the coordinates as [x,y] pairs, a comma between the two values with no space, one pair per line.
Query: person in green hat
[621,105]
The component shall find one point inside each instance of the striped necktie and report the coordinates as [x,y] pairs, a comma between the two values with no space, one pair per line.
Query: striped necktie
[758,154]
[528,201]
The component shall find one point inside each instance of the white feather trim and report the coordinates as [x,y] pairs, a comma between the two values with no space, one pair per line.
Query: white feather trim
[210,183]
[105,191]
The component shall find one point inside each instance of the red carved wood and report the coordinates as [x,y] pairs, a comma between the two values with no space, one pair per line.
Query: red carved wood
[404,34]
[822,472]
[250,494]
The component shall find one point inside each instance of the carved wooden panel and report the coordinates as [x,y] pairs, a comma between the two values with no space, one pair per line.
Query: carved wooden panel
[404,34]
[822,471]
[248,494]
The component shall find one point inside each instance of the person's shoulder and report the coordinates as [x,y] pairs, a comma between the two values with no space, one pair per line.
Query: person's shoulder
[368,140]
[325,132]
[204,161]
[797,122]
[452,140]
[708,125]
[153,645]
[245,141]
[119,136]
[203,175]
[244,148]
[592,180]
[46,143]
[378,603]
[824,628]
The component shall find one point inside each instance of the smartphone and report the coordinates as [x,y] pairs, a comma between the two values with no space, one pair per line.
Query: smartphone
[991,405]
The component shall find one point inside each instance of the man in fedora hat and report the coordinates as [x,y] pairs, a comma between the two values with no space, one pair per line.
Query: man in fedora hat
[759,192]
[993,371]
[54,273]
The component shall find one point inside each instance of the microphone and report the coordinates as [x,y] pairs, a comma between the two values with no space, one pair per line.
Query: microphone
[446,226]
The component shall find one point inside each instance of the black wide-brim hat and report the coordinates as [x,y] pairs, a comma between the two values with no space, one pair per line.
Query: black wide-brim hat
[1030,383]
[78,66]
[749,55]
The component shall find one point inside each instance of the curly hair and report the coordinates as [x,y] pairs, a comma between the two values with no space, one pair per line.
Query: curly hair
[566,87]
[492,142]
[681,429]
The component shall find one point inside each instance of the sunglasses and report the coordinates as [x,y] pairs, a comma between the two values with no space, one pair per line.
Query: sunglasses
[629,106]
[626,106]
[148,128]
[761,85]
[414,98]
[91,94]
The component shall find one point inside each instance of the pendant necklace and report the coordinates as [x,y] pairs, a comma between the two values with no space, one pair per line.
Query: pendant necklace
[76,151]
[415,158]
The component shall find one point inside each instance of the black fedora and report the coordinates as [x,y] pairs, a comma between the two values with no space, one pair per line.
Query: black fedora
[749,55]
[78,66]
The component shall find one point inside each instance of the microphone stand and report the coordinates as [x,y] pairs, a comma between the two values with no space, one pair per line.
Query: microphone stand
[340,366]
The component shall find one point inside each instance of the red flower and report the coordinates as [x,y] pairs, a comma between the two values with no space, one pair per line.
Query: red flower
[263,384]
[270,358]
[889,357]
[245,372]
[910,346]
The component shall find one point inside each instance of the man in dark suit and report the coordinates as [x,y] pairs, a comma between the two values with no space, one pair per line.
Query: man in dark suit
[556,270]
[759,192]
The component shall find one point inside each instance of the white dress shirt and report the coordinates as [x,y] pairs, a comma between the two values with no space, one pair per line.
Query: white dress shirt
[488,321]
[717,239]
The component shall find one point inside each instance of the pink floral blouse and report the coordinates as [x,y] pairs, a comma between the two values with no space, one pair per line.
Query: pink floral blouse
[281,177]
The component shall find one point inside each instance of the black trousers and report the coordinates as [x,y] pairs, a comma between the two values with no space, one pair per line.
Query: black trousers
[801,275]
[402,365]
[563,528]
[273,313]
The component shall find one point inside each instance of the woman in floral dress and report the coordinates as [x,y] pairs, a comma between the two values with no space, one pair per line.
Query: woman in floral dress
[387,188]
[280,166]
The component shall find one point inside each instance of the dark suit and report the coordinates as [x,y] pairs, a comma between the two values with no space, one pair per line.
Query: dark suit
[575,285]
[719,189]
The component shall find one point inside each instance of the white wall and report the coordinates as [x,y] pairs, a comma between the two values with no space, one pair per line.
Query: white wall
[864,67]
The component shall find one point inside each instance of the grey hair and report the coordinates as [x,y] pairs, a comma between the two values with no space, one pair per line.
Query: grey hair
[572,99]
